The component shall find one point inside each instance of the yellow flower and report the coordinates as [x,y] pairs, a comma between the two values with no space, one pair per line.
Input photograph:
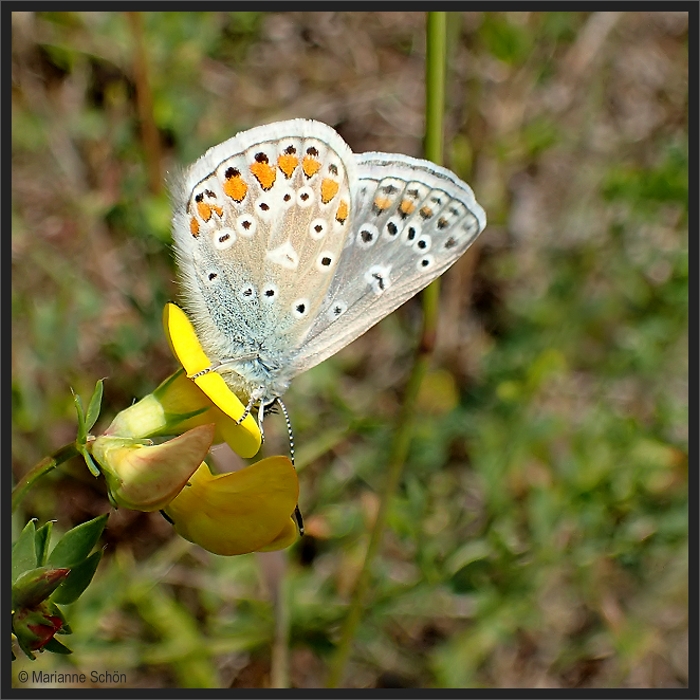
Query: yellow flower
[245,439]
[244,511]
[179,403]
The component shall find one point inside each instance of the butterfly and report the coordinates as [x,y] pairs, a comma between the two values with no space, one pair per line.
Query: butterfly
[289,247]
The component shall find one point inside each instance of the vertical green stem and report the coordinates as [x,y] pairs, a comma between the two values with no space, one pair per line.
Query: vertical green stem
[144,103]
[279,666]
[435,97]
[435,66]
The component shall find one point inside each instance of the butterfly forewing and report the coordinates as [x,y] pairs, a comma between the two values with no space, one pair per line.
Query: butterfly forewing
[411,220]
[260,236]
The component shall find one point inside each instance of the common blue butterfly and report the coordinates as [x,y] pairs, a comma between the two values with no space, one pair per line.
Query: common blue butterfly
[290,246]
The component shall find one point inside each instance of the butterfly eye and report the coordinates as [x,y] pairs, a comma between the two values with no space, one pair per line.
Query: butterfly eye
[247,292]
[324,261]
[413,231]
[367,236]
[378,278]
[211,276]
[393,227]
[246,225]
[288,198]
[300,308]
[305,196]
[425,263]
[338,308]
[263,209]
[224,238]
[318,229]
[422,245]
[269,293]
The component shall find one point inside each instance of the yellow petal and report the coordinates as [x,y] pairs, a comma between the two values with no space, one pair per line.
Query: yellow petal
[287,537]
[245,439]
[238,512]
[183,340]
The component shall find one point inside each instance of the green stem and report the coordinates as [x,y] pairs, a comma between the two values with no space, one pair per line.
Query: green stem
[144,103]
[61,455]
[279,666]
[435,65]
[435,84]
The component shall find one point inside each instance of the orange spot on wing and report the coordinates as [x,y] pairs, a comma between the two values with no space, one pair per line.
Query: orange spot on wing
[204,211]
[219,210]
[342,214]
[194,227]
[426,212]
[264,173]
[235,188]
[287,164]
[310,166]
[329,189]
[407,207]
[382,203]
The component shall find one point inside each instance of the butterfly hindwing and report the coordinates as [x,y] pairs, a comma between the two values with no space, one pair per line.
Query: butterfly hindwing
[411,220]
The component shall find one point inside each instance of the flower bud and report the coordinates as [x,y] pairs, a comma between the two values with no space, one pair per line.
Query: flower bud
[35,627]
[147,478]
[34,586]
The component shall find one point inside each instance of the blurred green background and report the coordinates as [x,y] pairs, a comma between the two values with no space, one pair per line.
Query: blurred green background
[539,537]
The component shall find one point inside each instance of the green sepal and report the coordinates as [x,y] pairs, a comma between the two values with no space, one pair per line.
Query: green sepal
[27,651]
[24,551]
[56,647]
[91,465]
[94,406]
[82,431]
[75,546]
[77,581]
[43,538]
[57,612]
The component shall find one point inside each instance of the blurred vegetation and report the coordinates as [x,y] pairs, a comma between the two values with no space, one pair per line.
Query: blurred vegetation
[540,534]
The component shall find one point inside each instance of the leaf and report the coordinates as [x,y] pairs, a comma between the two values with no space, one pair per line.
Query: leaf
[94,407]
[74,547]
[78,580]
[24,551]
[43,538]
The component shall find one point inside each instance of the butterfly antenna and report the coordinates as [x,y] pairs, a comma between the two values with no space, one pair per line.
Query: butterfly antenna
[297,513]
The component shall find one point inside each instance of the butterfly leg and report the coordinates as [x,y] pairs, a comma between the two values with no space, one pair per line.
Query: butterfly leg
[229,364]
[261,416]
[246,412]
